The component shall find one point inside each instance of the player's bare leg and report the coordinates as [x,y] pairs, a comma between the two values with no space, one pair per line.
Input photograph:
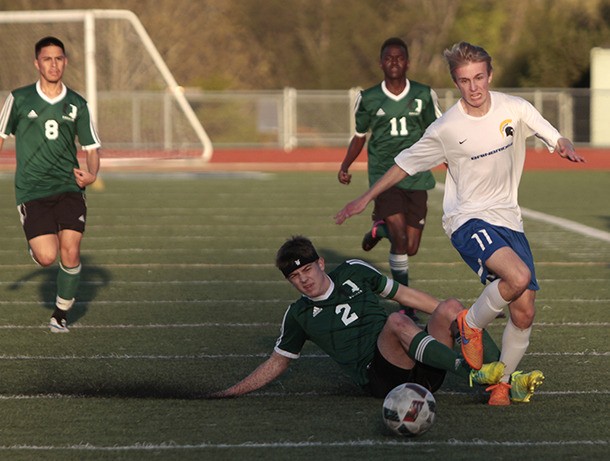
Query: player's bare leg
[404,242]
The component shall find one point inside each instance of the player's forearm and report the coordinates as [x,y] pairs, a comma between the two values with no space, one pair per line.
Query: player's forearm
[93,161]
[268,371]
[417,299]
[392,177]
[353,151]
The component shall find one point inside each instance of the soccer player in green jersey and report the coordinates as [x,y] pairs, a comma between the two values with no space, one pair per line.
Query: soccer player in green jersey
[341,313]
[46,118]
[396,112]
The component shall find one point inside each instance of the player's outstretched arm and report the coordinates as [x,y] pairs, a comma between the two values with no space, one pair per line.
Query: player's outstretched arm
[565,149]
[417,299]
[266,372]
[391,177]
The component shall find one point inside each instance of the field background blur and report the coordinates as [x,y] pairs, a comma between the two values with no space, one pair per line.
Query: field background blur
[180,296]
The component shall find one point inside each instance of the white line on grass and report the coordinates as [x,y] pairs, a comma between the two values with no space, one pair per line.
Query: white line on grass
[9,358]
[282,282]
[178,302]
[81,326]
[559,222]
[170,446]
[566,224]
[272,266]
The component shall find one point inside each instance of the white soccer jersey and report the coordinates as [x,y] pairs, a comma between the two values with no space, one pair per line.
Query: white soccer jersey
[484,157]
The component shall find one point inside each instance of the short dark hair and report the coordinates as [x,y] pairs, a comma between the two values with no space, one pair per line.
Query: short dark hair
[296,252]
[394,41]
[48,41]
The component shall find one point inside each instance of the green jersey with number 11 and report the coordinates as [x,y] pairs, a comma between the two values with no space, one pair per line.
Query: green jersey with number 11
[45,131]
[395,122]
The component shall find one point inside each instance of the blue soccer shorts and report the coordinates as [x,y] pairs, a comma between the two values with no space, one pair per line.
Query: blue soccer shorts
[476,240]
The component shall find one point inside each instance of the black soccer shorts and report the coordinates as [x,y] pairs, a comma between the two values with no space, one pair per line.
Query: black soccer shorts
[383,376]
[49,215]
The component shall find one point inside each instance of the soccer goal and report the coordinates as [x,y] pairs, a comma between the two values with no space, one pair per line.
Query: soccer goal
[139,108]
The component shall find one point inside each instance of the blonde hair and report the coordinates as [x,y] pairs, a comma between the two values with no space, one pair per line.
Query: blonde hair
[462,53]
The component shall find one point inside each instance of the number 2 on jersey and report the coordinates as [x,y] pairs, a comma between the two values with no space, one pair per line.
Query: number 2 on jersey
[347,316]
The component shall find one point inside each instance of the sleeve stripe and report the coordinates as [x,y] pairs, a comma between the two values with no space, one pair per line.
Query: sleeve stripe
[290,355]
[97,143]
[5,114]
[390,289]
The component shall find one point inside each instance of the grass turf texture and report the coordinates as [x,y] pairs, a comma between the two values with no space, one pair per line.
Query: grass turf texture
[180,297]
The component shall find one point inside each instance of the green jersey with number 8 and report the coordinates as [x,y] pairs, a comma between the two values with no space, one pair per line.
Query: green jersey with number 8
[45,130]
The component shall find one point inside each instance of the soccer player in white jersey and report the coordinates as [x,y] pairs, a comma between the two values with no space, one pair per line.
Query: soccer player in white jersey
[481,139]
[46,117]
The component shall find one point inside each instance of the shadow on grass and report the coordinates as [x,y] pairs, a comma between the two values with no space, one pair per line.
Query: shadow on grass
[93,278]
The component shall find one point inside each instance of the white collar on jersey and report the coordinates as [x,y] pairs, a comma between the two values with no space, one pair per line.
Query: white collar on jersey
[58,98]
[396,97]
[328,292]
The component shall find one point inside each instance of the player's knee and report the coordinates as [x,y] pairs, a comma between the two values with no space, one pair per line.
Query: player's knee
[70,257]
[522,318]
[44,259]
[522,279]
[401,323]
[448,309]
[518,281]
[43,255]
[412,249]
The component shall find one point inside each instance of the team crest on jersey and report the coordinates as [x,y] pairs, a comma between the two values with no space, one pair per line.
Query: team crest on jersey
[415,106]
[352,289]
[506,128]
[70,111]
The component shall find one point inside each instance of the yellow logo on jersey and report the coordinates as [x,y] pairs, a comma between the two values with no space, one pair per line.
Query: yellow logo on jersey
[506,129]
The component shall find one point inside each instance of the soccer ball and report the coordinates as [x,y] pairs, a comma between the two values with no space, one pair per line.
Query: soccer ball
[409,409]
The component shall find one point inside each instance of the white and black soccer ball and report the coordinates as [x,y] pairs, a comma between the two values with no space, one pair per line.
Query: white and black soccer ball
[409,409]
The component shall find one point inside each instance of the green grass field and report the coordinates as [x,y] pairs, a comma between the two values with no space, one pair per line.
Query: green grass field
[180,297]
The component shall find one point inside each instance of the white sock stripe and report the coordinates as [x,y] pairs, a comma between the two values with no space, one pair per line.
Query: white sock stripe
[399,262]
[71,270]
[64,304]
[421,347]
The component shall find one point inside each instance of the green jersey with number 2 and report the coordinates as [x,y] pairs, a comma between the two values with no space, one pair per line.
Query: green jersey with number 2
[345,322]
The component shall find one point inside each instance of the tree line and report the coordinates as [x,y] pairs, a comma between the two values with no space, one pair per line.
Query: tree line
[334,44]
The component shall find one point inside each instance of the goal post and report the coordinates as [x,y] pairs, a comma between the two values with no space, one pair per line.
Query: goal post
[139,108]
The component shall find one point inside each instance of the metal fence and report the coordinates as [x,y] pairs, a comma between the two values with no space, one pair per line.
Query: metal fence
[138,122]
[303,118]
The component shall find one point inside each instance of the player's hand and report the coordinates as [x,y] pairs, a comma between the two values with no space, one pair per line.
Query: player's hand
[565,149]
[355,207]
[83,177]
[344,177]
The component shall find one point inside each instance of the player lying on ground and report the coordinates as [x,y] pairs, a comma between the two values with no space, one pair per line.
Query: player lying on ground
[341,313]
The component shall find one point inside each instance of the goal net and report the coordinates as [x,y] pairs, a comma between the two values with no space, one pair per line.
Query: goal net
[139,109]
